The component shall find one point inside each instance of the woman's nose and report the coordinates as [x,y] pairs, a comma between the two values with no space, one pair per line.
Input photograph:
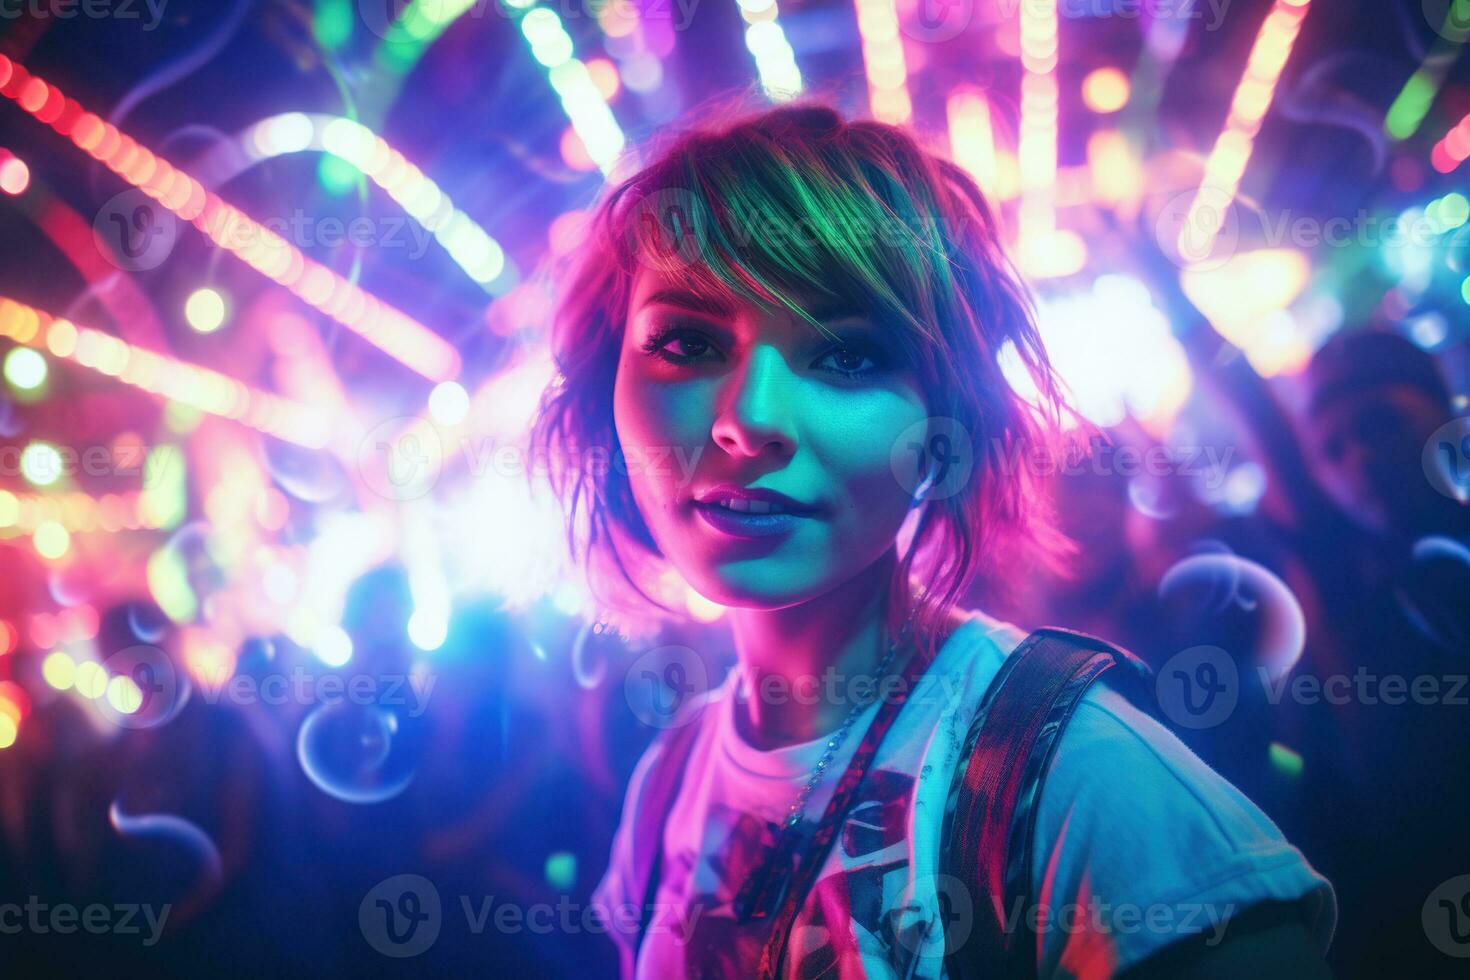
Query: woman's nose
[757,406]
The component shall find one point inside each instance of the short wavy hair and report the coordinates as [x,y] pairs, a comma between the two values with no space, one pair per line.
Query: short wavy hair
[938,274]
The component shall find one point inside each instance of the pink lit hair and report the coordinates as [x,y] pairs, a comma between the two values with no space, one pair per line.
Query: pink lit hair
[937,275]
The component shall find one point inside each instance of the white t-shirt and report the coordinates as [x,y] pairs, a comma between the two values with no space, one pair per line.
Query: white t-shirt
[1138,842]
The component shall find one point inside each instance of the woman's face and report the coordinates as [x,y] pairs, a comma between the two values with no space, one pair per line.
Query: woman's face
[716,391]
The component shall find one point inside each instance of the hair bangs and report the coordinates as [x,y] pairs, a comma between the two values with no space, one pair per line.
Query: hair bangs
[786,226]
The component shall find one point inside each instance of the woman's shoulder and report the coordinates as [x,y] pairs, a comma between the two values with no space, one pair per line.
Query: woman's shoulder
[1131,819]
[1136,835]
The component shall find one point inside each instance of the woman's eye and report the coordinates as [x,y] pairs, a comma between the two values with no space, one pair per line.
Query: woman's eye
[666,343]
[848,361]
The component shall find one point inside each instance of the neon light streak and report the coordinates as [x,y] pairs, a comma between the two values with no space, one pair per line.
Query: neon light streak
[888,77]
[580,98]
[775,62]
[1037,144]
[209,391]
[1408,110]
[1227,161]
[479,255]
[971,137]
[389,329]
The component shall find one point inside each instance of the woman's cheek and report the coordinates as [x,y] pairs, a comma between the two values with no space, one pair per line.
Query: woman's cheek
[659,429]
[860,457]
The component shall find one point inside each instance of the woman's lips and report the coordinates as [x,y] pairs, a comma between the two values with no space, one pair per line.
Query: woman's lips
[747,525]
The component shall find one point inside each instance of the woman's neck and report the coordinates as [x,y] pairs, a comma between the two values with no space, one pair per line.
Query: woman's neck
[803,667]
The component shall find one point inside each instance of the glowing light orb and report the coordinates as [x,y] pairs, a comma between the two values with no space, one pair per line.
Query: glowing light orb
[59,670]
[561,870]
[90,680]
[15,704]
[205,310]
[15,176]
[449,403]
[427,630]
[51,540]
[1105,90]
[25,368]
[1284,760]
[333,647]
[124,695]
[40,464]
[1453,211]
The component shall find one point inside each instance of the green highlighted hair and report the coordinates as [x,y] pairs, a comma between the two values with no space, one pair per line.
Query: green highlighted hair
[795,200]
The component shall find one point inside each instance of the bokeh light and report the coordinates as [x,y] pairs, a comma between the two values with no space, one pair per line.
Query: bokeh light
[15,176]
[449,403]
[25,368]
[1105,90]
[59,670]
[205,310]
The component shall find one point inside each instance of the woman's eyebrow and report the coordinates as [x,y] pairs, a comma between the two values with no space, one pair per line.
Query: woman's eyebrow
[689,300]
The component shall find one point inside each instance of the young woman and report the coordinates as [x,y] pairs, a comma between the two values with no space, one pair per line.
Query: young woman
[786,333]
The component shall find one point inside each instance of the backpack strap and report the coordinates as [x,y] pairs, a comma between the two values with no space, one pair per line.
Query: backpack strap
[990,816]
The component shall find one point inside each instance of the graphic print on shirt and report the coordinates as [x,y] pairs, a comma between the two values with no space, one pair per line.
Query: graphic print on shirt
[848,912]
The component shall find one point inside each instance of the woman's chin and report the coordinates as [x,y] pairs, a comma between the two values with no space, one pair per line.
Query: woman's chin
[758,591]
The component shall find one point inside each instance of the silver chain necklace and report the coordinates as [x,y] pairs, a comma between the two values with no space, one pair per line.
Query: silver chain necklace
[798,806]
[762,890]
